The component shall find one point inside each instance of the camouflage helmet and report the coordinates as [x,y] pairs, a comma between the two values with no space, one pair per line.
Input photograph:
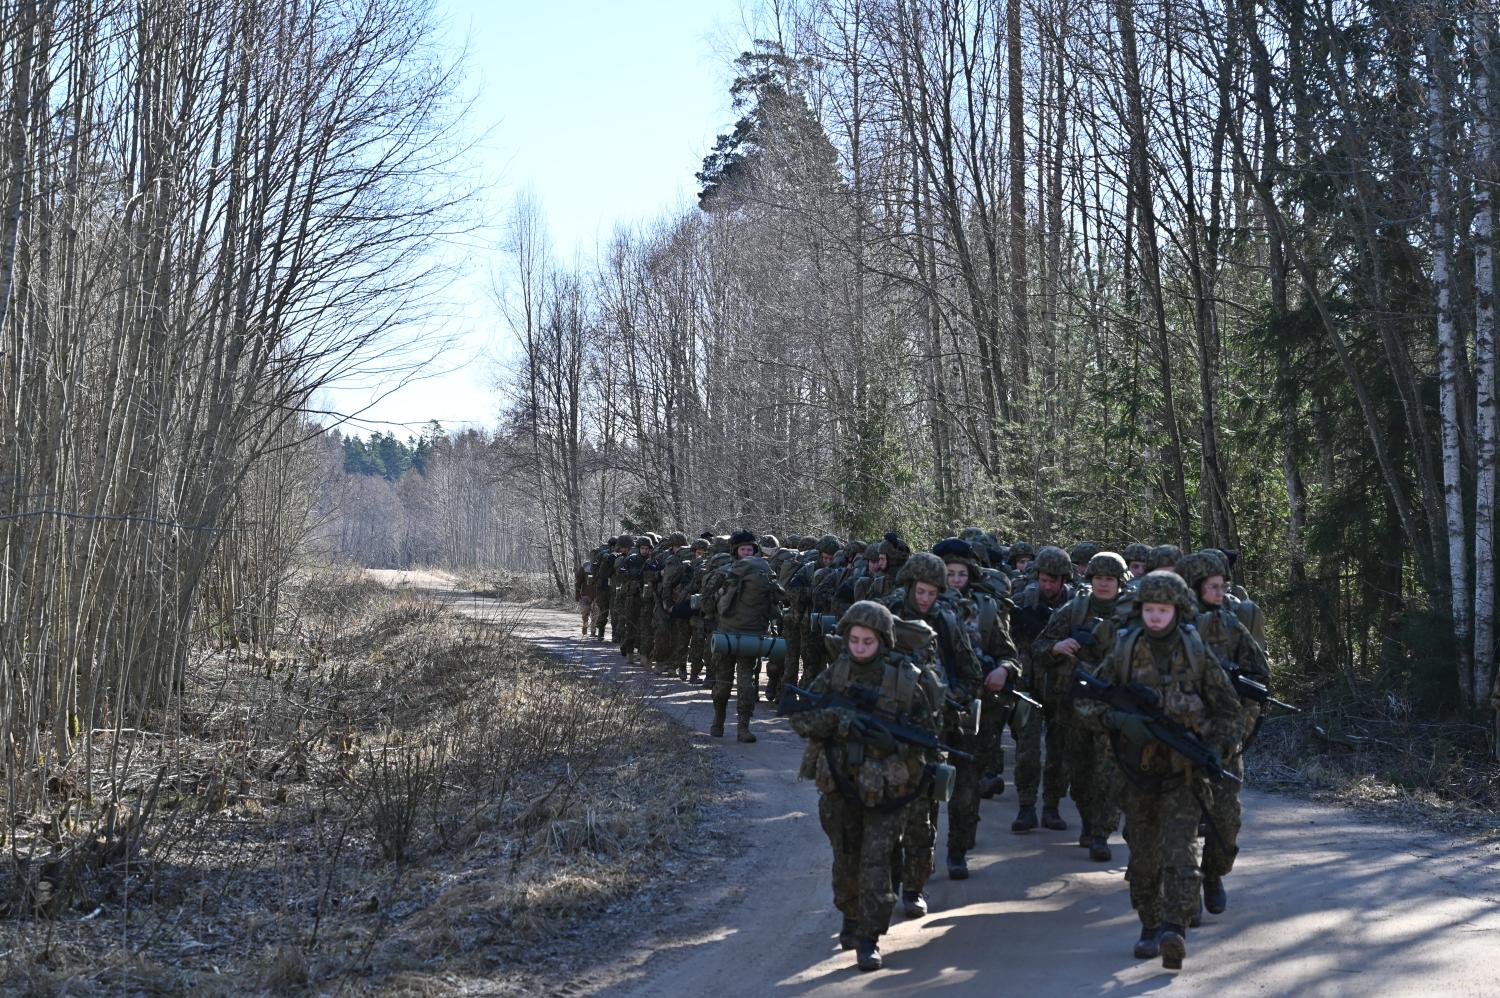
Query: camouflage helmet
[829,544]
[1083,551]
[807,542]
[1109,564]
[924,567]
[623,541]
[868,613]
[1019,550]
[740,537]
[871,552]
[1137,552]
[794,542]
[719,545]
[1163,556]
[1166,586]
[1054,561]
[655,537]
[699,544]
[1200,565]
[971,534]
[770,541]
[644,541]
[853,548]
[676,539]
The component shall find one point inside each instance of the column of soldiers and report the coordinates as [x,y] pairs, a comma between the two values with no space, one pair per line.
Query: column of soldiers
[904,669]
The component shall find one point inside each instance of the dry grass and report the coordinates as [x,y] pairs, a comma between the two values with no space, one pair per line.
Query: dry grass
[396,800]
[1374,755]
[515,587]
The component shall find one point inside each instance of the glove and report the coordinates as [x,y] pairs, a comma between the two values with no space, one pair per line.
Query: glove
[873,734]
[1131,726]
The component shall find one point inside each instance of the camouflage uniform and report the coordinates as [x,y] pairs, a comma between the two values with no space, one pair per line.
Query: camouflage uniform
[647,612]
[674,632]
[1093,777]
[627,597]
[709,578]
[740,673]
[864,792]
[820,601]
[794,618]
[1036,769]
[962,676]
[1232,644]
[1162,790]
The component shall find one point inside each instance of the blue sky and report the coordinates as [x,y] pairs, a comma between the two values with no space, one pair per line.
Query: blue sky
[604,110]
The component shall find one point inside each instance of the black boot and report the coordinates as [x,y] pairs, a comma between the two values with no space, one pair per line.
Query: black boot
[991,785]
[868,953]
[1214,898]
[1051,819]
[846,934]
[1099,849]
[1025,819]
[1173,943]
[958,865]
[914,903]
[1148,947]
[717,727]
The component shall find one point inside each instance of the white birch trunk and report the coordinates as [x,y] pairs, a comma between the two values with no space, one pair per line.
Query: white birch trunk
[1484,356]
[1448,382]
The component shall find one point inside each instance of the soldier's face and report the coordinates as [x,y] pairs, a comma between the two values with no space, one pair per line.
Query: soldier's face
[744,550]
[862,643]
[1106,586]
[826,559]
[923,595]
[958,576]
[880,563]
[1211,590]
[1021,564]
[1137,568]
[1157,616]
[1049,585]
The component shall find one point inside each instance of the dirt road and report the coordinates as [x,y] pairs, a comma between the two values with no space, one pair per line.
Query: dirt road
[1320,903]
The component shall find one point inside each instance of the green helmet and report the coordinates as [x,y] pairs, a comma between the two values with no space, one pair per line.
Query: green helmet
[1163,556]
[896,551]
[676,539]
[770,541]
[1107,563]
[1019,550]
[1080,553]
[829,544]
[924,567]
[699,544]
[644,542]
[1164,586]
[1200,565]
[867,613]
[1054,561]
[1137,552]
[807,543]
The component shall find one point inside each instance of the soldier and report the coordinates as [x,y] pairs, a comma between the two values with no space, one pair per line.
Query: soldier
[609,585]
[820,580]
[1018,561]
[748,600]
[893,554]
[1049,771]
[1136,555]
[632,572]
[706,598]
[1082,631]
[866,778]
[794,558]
[1232,644]
[673,631]
[921,583]
[988,625]
[583,593]
[647,612]
[1161,795]
[1080,554]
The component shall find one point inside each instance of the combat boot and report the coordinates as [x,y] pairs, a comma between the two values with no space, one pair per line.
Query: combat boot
[744,734]
[1197,918]
[914,903]
[1085,838]
[1099,849]
[1173,943]
[992,785]
[1214,898]
[868,953]
[717,727]
[1025,819]
[1051,819]
[958,866]
[1148,947]
[846,934]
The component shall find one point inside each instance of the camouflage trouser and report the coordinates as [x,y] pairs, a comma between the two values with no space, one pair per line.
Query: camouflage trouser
[645,626]
[788,671]
[863,841]
[999,714]
[814,655]
[1095,778]
[1222,842]
[1048,769]
[698,645]
[743,675]
[912,863]
[672,643]
[963,806]
[1163,871]
[601,613]
[627,608]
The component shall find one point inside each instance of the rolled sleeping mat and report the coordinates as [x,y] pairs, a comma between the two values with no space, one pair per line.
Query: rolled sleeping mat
[750,646]
[822,623]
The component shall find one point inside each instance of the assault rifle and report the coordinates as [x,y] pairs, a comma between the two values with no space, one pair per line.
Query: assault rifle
[1134,698]
[1085,635]
[862,701]
[990,665]
[1253,689]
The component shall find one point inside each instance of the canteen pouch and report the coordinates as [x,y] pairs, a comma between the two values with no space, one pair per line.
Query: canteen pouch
[942,781]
